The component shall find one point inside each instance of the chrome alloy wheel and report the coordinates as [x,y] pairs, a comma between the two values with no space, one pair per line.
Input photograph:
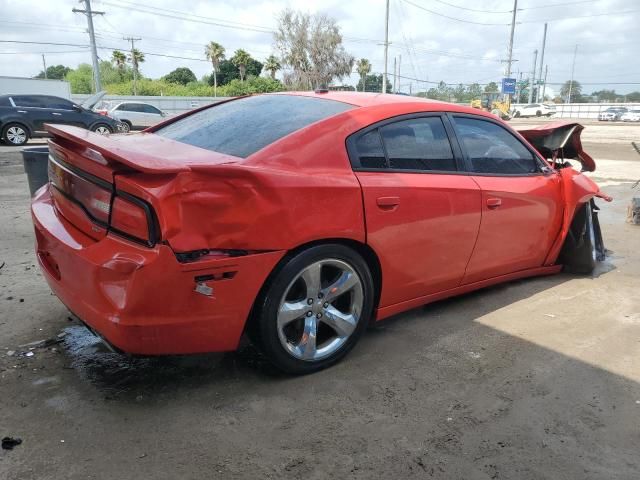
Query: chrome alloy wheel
[102,130]
[16,135]
[320,309]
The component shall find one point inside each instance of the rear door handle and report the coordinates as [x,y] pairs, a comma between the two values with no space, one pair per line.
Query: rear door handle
[22,111]
[56,113]
[388,203]
[494,202]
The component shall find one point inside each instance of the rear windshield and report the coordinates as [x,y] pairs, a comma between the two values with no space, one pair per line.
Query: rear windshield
[244,126]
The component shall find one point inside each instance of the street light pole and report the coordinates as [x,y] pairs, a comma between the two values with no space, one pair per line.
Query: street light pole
[386,47]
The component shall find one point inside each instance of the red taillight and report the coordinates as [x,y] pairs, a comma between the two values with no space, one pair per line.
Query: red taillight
[130,218]
[95,199]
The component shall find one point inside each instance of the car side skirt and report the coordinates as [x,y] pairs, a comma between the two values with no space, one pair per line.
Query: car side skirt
[386,312]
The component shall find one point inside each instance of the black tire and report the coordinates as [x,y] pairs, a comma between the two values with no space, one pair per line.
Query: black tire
[538,113]
[517,114]
[10,138]
[583,247]
[99,126]
[127,126]
[263,329]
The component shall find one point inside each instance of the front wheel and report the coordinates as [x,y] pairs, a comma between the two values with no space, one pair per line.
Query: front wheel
[102,129]
[584,246]
[314,309]
[15,134]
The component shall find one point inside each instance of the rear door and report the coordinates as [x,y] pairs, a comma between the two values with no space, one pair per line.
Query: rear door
[151,115]
[422,213]
[521,199]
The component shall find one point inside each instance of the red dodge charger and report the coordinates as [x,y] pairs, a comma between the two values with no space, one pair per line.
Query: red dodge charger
[299,218]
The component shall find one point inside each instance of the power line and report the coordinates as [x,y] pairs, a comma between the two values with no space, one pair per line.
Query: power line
[549,5]
[581,16]
[453,18]
[476,10]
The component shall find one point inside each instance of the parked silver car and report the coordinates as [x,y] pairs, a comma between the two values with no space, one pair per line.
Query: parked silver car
[136,115]
[612,114]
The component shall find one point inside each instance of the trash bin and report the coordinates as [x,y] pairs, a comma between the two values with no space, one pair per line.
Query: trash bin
[36,164]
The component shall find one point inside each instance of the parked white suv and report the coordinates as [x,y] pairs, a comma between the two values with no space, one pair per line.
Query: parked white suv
[534,110]
[632,115]
[136,115]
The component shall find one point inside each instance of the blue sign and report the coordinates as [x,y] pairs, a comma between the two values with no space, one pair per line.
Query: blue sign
[509,86]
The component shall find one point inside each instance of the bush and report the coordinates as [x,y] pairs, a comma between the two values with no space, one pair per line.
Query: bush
[249,86]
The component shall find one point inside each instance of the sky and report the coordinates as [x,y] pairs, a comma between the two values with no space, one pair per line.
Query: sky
[456,41]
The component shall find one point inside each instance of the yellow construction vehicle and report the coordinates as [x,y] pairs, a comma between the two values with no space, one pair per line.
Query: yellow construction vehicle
[493,102]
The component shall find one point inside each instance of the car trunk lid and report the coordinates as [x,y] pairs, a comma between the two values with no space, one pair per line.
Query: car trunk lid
[83,167]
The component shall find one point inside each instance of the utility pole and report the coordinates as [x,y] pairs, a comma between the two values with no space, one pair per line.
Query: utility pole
[519,89]
[544,85]
[573,67]
[395,77]
[386,47]
[92,39]
[44,65]
[544,42]
[532,77]
[399,77]
[134,62]
[513,28]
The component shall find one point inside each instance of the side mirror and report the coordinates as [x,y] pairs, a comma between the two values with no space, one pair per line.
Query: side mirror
[77,108]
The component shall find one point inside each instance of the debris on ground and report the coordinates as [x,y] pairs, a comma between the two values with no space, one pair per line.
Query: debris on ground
[9,442]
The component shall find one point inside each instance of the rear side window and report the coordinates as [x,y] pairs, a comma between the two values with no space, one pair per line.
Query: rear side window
[493,150]
[414,144]
[30,101]
[244,126]
[418,144]
[150,109]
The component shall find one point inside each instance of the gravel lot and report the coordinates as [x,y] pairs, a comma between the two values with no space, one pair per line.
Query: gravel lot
[533,379]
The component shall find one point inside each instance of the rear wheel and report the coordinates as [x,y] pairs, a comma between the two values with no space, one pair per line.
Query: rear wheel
[538,113]
[102,129]
[315,309]
[583,247]
[517,114]
[15,134]
[126,126]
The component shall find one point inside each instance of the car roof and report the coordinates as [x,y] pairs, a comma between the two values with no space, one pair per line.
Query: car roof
[369,99]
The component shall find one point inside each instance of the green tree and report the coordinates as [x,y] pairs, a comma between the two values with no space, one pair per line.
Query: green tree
[312,46]
[136,57]
[119,59]
[272,65]
[251,85]
[633,97]
[372,83]
[491,87]
[54,72]
[474,91]
[363,66]
[240,59]
[575,88]
[181,75]
[215,54]
[606,95]
[227,71]
[81,79]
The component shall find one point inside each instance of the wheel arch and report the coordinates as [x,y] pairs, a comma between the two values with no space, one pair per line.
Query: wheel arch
[365,251]
[20,122]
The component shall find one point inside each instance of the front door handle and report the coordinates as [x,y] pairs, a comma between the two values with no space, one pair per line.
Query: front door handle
[388,203]
[494,202]
[22,111]
[56,114]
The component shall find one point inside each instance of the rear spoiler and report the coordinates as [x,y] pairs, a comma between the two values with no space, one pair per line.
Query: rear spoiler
[560,140]
[143,152]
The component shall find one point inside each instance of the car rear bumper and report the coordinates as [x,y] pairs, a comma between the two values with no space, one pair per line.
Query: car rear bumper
[142,300]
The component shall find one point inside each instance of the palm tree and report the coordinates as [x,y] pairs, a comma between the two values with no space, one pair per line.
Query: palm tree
[272,65]
[119,59]
[364,68]
[215,54]
[240,59]
[136,57]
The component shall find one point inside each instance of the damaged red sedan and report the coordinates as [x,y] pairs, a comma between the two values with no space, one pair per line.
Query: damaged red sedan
[300,218]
